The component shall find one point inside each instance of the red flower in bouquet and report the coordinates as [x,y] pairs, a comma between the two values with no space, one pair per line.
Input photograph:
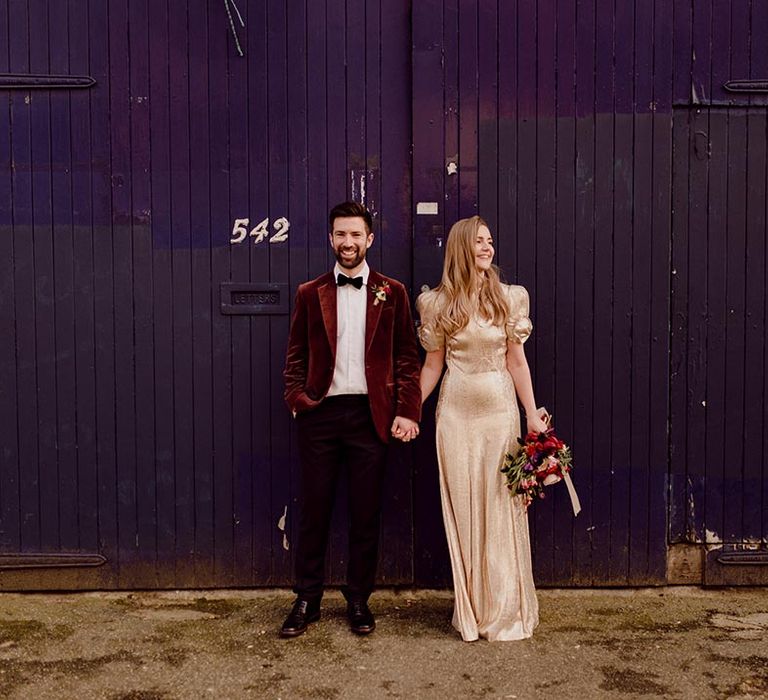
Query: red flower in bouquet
[543,459]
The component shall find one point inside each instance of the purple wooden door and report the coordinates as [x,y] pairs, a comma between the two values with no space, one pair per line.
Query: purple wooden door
[154,225]
[140,396]
[719,360]
[552,121]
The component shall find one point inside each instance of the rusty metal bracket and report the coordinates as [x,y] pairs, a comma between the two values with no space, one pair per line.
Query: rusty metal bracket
[58,560]
[28,81]
[745,558]
[751,86]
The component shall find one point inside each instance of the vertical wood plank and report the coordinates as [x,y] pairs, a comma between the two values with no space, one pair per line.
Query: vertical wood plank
[306,233]
[756,499]
[660,317]
[546,238]
[523,270]
[390,44]
[488,110]
[467,107]
[272,494]
[756,281]
[103,291]
[44,282]
[83,374]
[220,51]
[279,203]
[428,18]
[124,312]
[583,370]
[63,300]
[448,94]
[711,518]
[318,251]
[546,163]
[374,41]
[356,125]
[143,295]
[543,294]
[162,289]
[697,365]
[683,51]
[242,404]
[563,407]
[190,211]
[336,96]
[9,457]
[701,84]
[641,244]
[394,110]
[683,177]
[602,295]
[506,245]
[736,371]
[734,323]
[758,60]
[623,336]
[23,285]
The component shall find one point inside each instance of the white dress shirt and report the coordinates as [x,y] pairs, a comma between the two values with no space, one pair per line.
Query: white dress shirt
[351,307]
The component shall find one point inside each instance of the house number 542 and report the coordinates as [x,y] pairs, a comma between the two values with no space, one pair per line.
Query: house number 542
[260,232]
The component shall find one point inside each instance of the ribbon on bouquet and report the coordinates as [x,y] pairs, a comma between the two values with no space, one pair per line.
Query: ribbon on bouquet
[575,503]
[546,416]
[566,477]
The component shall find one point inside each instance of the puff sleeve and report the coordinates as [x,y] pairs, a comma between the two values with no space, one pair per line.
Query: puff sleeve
[430,334]
[518,325]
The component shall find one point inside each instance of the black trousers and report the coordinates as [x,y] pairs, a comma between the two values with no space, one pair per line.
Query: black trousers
[339,437]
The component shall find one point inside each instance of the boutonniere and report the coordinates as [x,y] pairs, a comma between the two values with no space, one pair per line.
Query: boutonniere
[380,292]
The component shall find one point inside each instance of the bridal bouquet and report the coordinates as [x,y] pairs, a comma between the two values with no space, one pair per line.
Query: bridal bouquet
[543,459]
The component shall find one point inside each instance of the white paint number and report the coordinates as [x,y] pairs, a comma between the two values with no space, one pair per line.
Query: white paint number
[260,232]
[281,227]
[239,232]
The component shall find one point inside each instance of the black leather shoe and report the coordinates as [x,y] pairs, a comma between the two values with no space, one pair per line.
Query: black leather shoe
[360,617]
[303,612]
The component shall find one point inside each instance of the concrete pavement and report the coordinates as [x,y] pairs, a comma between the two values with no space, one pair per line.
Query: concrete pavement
[646,643]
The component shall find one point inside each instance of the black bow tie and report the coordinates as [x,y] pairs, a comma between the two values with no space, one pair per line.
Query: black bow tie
[356,282]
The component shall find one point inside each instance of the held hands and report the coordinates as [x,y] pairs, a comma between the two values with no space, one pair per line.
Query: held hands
[404,429]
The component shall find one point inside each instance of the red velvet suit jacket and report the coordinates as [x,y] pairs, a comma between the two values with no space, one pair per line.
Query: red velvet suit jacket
[391,355]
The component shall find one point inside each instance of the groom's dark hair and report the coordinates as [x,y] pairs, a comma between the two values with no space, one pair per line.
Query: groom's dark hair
[347,209]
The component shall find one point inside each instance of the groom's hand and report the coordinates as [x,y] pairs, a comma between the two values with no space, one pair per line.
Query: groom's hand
[404,429]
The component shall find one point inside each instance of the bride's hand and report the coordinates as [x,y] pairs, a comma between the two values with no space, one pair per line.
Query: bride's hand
[538,422]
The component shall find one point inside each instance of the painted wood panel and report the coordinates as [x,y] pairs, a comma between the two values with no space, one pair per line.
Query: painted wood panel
[719,372]
[560,113]
[139,421]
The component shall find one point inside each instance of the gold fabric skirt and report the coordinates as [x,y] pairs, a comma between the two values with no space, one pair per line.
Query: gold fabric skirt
[478,420]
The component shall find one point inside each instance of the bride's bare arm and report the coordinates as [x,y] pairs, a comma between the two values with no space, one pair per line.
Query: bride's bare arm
[431,371]
[517,365]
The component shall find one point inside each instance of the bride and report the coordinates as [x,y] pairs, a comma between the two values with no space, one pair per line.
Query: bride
[476,325]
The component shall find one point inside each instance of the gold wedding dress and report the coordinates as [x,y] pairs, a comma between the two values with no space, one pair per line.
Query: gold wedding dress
[478,420]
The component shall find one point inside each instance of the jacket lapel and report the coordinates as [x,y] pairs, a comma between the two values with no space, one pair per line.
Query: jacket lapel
[373,310]
[326,293]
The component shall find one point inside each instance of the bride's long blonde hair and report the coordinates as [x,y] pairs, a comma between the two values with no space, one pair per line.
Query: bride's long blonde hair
[464,289]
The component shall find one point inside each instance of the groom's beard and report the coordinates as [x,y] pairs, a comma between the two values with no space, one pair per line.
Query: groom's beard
[351,262]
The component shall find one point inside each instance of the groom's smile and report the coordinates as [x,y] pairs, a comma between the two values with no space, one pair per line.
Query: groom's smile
[350,240]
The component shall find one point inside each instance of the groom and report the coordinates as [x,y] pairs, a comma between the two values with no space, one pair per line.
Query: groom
[351,381]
